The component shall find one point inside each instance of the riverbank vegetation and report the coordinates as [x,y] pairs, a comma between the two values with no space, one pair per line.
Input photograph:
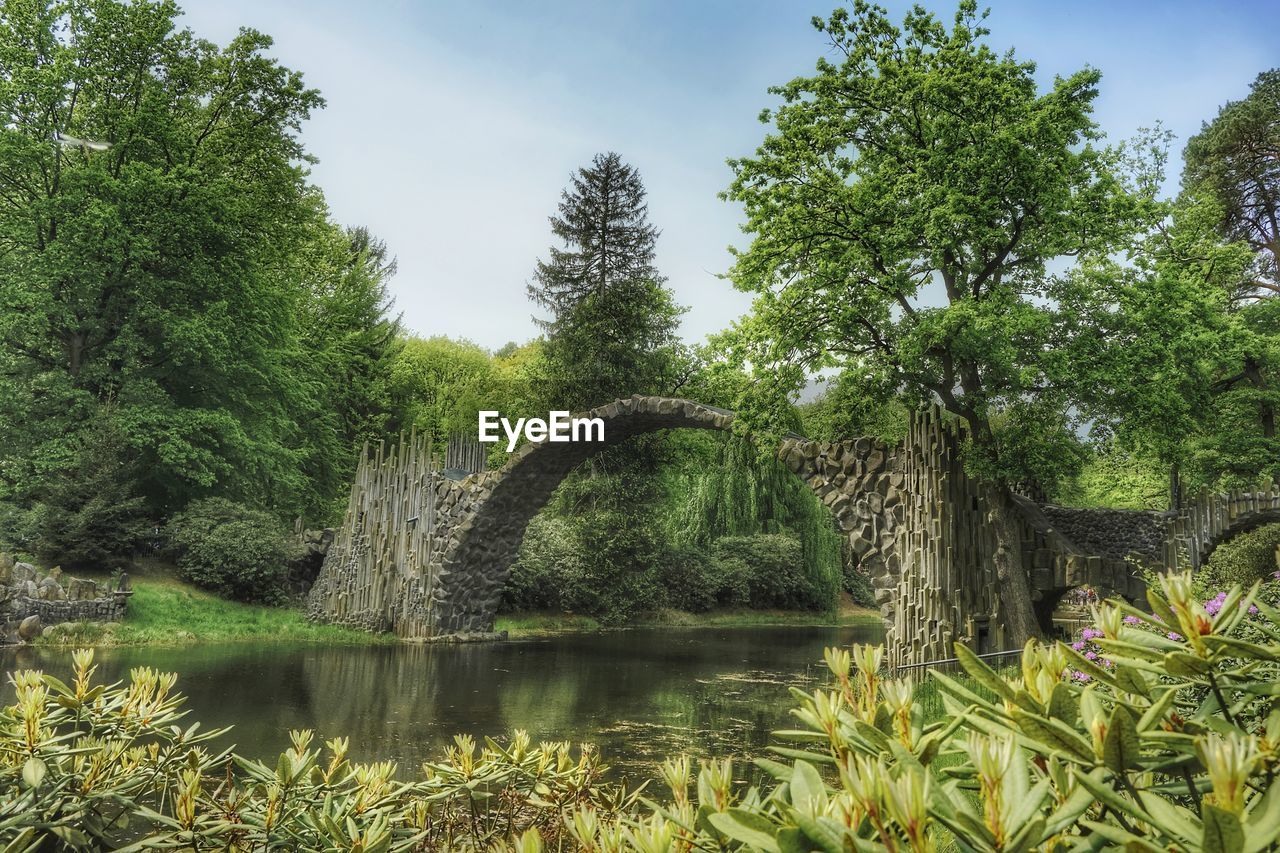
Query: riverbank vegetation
[165,611]
[1158,736]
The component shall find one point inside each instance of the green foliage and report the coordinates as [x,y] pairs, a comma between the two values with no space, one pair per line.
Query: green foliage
[550,557]
[1232,159]
[185,279]
[740,494]
[90,515]
[766,570]
[857,585]
[920,159]
[1161,361]
[604,563]
[617,569]
[235,551]
[924,156]
[612,331]
[1244,559]
[846,409]
[1112,478]
[438,385]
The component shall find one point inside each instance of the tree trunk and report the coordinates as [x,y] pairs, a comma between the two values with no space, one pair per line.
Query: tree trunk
[1019,611]
[1175,488]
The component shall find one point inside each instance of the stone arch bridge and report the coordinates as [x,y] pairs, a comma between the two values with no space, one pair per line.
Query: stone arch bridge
[427,556]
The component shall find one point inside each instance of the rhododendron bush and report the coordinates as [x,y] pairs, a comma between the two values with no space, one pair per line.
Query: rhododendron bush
[1156,731]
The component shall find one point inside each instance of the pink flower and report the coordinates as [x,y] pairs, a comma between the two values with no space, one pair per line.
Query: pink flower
[1132,620]
[1079,676]
[1091,655]
[1078,645]
[1175,636]
[1090,633]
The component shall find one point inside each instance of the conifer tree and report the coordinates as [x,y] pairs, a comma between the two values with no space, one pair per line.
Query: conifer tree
[611,330]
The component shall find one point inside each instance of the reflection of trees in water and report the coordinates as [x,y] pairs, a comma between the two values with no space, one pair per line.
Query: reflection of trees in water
[639,695]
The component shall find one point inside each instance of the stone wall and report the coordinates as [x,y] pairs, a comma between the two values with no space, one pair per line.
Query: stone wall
[107,608]
[31,598]
[1113,533]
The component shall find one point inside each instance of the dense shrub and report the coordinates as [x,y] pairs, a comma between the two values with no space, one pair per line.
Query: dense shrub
[615,567]
[855,582]
[621,553]
[237,552]
[602,564]
[688,583]
[1249,557]
[765,570]
[549,555]
[89,516]
[743,494]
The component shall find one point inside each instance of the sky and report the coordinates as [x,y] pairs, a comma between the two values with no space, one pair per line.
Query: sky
[451,128]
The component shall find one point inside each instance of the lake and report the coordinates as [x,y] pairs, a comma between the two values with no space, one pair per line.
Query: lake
[639,694]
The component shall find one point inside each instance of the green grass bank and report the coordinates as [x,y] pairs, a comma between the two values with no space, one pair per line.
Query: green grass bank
[165,611]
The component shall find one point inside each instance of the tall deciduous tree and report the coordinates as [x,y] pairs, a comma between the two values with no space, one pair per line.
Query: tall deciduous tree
[903,211]
[1235,160]
[164,261]
[1235,163]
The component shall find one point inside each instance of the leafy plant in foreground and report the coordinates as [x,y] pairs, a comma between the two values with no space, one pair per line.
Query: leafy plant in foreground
[1167,738]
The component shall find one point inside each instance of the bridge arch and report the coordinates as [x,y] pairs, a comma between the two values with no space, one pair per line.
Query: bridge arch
[484,542]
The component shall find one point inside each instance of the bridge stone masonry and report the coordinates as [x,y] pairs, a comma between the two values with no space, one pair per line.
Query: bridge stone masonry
[428,556]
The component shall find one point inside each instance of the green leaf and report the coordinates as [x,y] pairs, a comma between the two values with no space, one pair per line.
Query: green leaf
[33,772]
[808,792]
[776,769]
[981,673]
[1130,680]
[1063,704]
[1115,834]
[1069,812]
[1184,665]
[1121,748]
[1159,708]
[751,829]
[826,838]
[1161,608]
[791,839]
[1262,823]
[1053,736]
[1027,836]
[1222,831]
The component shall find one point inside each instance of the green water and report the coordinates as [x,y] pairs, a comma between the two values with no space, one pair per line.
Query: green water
[639,694]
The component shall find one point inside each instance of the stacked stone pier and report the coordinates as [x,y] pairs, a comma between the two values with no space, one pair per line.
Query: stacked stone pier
[427,556]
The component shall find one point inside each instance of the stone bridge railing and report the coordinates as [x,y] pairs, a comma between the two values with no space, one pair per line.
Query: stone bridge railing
[1214,518]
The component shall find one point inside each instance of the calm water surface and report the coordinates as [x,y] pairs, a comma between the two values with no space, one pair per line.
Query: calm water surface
[638,694]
